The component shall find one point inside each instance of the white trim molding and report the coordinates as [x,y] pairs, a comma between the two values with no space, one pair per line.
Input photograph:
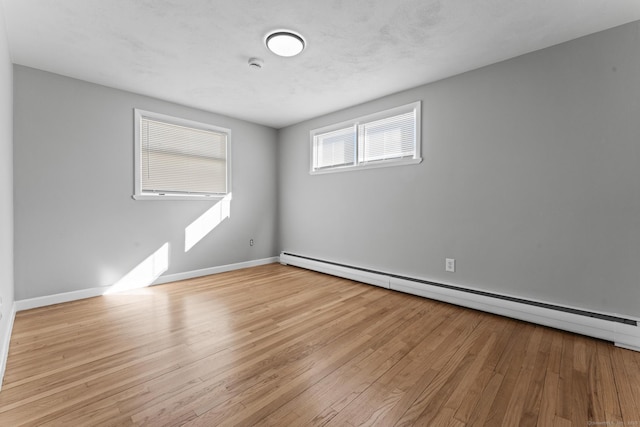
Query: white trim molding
[355,135]
[171,193]
[214,270]
[5,341]
[27,304]
[623,331]
[358,275]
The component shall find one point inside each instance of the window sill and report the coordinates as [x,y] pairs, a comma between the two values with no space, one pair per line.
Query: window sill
[372,165]
[194,197]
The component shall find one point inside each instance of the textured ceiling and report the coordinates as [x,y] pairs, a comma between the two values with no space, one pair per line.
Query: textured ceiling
[195,52]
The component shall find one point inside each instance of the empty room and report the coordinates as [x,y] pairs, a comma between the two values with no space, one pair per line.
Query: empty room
[306,213]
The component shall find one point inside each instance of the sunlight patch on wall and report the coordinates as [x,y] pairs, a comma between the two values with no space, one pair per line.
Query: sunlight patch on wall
[145,273]
[209,220]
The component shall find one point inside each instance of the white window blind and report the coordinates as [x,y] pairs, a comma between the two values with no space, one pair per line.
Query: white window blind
[179,157]
[336,148]
[388,138]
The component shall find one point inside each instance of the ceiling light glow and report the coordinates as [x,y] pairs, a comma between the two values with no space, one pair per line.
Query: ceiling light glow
[285,43]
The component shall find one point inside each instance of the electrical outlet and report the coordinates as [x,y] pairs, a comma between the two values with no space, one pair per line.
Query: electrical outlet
[251,242]
[450,264]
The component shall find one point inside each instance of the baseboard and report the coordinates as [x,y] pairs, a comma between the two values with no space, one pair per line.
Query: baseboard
[622,331]
[214,270]
[5,340]
[334,269]
[27,304]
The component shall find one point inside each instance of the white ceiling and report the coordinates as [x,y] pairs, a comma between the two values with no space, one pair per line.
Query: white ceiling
[195,52]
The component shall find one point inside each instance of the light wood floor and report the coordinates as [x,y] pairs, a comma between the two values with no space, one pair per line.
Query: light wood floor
[276,345]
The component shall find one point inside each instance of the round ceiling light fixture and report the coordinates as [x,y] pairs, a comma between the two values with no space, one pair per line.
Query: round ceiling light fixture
[285,43]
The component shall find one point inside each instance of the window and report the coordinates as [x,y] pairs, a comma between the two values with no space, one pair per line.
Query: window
[388,138]
[180,159]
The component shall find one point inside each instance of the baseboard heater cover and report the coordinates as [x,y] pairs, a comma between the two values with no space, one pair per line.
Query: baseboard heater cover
[623,331]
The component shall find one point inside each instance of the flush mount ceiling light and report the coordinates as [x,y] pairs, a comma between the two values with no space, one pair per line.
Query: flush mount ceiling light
[285,43]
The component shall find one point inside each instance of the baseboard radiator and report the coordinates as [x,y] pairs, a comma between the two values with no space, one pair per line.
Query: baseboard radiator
[623,331]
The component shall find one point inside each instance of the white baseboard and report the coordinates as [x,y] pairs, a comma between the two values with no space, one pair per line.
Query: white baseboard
[27,304]
[214,270]
[627,336]
[5,340]
[622,335]
[337,270]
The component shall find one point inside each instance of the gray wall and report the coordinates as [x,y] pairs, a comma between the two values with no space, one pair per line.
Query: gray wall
[76,225]
[530,180]
[6,180]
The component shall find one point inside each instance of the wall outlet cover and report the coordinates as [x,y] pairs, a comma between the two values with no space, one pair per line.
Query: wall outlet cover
[450,264]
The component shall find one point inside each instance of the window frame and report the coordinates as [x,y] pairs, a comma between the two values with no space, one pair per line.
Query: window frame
[355,123]
[139,194]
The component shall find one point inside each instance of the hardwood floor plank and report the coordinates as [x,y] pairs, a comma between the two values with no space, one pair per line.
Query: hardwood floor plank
[280,346]
[409,375]
[547,411]
[509,366]
[362,404]
[242,378]
[565,385]
[607,387]
[627,374]
[268,405]
[460,390]
[561,422]
[533,399]
[453,359]
[514,409]
[483,409]
[475,390]
[336,391]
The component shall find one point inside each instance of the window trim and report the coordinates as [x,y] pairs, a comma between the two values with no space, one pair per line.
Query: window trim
[414,106]
[139,194]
